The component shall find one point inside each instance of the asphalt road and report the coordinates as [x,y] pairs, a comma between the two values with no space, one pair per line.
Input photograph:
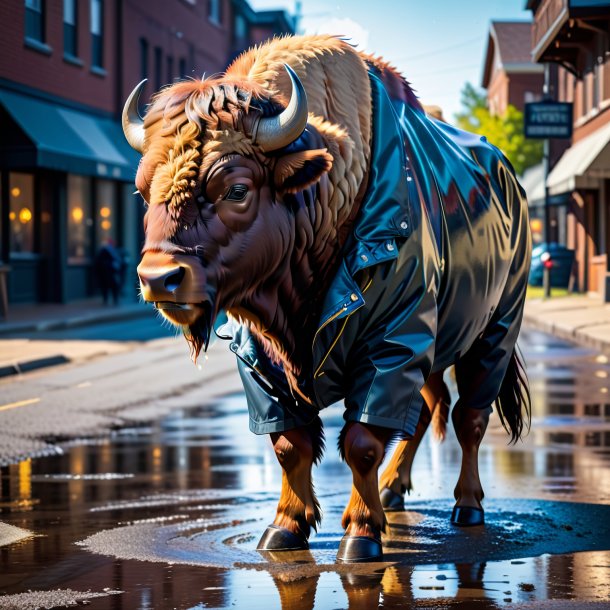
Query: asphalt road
[153,495]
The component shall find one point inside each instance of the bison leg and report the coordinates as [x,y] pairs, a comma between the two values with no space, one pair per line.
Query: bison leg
[470,425]
[363,447]
[298,509]
[396,478]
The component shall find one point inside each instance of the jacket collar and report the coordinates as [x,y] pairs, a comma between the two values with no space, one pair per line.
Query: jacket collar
[385,215]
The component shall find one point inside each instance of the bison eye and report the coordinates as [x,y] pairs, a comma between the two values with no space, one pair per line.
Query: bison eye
[237,192]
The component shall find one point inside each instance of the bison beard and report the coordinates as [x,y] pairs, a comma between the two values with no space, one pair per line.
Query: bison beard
[198,334]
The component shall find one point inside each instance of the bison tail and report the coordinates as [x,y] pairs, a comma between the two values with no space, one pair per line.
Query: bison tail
[514,401]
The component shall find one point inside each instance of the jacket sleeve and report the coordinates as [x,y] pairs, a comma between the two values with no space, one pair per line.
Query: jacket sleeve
[271,406]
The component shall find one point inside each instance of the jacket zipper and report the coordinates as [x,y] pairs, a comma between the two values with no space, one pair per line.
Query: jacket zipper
[330,349]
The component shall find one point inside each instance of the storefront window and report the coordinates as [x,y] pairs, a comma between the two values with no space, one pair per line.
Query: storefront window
[21,212]
[106,214]
[79,219]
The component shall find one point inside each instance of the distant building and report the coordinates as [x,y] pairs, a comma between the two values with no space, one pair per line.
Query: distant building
[66,171]
[509,74]
[573,34]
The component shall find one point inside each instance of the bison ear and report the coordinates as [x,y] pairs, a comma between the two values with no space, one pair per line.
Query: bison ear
[296,171]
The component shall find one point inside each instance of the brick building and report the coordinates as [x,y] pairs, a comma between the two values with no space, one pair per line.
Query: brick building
[573,34]
[66,171]
[509,74]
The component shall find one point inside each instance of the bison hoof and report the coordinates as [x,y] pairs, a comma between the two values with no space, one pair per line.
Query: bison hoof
[276,538]
[391,501]
[466,516]
[355,549]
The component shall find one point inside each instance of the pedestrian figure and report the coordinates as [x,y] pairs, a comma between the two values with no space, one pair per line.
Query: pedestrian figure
[108,268]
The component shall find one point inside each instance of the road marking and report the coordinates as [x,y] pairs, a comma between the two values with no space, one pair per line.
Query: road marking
[19,403]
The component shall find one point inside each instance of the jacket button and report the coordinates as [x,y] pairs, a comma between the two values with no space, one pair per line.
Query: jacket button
[353,297]
[364,257]
[404,225]
[389,247]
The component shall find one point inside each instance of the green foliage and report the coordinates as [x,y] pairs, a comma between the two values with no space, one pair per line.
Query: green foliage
[504,131]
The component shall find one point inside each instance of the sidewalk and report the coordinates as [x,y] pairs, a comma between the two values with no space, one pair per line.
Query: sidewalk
[579,318]
[21,351]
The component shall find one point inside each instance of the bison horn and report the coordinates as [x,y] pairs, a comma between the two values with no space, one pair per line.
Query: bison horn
[273,133]
[133,125]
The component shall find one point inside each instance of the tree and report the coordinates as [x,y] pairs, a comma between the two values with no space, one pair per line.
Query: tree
[504,131]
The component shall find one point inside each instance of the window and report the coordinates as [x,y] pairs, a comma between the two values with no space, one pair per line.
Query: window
[158,56]
[215,11]
[21,212]
[143,58]
[106,214]
[79,219]
[170,68]
[70,21]
[97,33]
[182,67]
[34,20]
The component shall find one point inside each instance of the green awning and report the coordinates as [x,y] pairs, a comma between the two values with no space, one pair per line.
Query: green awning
[64,139]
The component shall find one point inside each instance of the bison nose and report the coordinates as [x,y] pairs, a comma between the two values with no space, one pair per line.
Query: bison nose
[160,284]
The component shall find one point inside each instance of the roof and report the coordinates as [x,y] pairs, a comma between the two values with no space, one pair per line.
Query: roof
[64,139]
[512,42]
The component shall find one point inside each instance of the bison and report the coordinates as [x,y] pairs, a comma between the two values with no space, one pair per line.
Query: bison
[359,248]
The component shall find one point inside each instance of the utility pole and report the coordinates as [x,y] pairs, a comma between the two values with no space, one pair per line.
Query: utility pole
[546,96]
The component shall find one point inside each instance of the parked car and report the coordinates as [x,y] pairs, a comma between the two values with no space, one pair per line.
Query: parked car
[561,260]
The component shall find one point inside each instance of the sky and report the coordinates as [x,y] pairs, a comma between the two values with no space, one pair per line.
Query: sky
[438,45]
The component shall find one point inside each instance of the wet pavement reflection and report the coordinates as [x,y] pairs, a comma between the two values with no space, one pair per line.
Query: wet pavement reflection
[169,515]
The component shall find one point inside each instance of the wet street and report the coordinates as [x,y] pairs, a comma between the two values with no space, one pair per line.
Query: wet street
[158,497]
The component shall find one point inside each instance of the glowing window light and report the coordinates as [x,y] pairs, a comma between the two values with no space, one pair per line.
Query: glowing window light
[25,215]
[15,191]
[106,224]
[536,225]
[105,212]
[12,216]
[77,214]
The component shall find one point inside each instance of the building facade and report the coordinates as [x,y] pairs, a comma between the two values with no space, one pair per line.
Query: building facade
[66,171]
[509,74]
[574,35]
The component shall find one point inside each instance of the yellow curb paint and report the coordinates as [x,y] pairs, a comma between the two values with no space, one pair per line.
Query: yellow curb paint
[19,403]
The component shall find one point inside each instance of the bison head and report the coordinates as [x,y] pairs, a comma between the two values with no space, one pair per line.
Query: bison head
[224,164]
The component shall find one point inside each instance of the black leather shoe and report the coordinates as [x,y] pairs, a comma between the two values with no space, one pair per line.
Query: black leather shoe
[466,516]
[276,538]
[391,501]
[354,549]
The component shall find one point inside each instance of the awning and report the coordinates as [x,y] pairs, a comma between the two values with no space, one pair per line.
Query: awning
[532,182]
[583,164]
[65,139]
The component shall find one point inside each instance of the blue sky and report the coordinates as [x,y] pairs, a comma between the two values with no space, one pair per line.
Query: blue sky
[437,44]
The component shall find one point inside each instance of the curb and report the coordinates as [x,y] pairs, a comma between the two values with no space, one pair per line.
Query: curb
[27,366]
[573,335]
[32,365]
